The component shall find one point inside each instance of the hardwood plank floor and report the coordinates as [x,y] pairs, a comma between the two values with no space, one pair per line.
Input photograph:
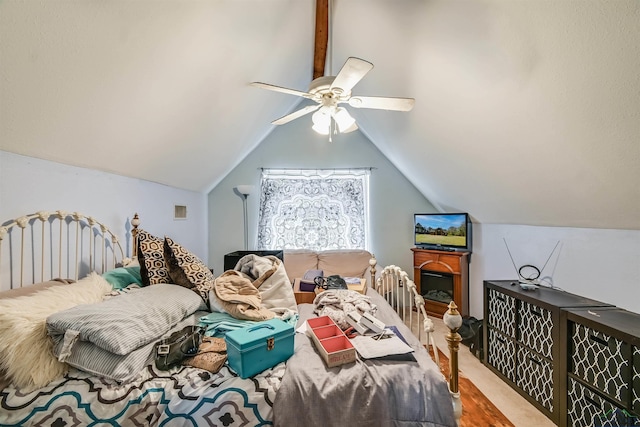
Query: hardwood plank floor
[477,408]
[515,409]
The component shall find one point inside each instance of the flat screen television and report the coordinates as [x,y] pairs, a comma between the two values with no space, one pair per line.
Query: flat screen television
[443,231]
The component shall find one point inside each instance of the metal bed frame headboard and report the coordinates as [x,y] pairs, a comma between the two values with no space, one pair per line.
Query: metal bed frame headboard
[46,245]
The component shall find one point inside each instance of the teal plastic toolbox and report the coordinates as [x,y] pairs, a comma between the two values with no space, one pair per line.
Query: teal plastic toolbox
[254,348]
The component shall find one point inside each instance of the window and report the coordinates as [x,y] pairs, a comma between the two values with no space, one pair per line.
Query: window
[314,209]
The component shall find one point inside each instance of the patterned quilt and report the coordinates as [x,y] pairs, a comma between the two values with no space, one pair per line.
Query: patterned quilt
[384,392]
[181,397]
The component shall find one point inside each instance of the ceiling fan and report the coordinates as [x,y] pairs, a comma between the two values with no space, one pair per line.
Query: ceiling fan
[331,91]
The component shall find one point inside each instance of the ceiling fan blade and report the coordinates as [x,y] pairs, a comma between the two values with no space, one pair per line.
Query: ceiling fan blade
[382,103]
[286,119]
[280,89]
[353,70]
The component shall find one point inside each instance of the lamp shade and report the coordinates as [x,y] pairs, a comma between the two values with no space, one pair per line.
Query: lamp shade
[245,190]
[322,130]
[322,121]
[343,119]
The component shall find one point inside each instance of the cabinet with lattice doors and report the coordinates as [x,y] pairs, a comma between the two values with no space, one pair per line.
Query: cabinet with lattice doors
[603,380]
[522,340]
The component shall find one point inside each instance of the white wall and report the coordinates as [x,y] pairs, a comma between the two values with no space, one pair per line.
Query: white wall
[393,199]
[29,185]
[602,264]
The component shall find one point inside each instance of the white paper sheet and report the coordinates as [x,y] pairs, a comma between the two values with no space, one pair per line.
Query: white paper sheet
[368,347]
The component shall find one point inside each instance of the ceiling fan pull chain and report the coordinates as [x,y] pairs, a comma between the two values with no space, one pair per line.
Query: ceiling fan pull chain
[330,125]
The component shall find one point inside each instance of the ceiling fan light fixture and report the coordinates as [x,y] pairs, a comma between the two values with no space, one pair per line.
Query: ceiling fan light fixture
[321,121]
[344,120]
[322,130]
[351,128]
[329,91]
[322,117]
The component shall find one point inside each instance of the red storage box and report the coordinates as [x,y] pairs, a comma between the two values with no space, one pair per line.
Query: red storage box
[332,344]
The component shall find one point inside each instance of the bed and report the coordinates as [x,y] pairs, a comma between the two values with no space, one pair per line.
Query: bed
[53,264]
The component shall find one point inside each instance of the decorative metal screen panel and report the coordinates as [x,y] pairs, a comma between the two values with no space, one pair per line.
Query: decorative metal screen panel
[601,360]
[502,312]
[588,409]
[535,328]
[501,353]
[534,375]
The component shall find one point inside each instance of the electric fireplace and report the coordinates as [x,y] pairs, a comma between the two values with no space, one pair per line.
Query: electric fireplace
[442,277]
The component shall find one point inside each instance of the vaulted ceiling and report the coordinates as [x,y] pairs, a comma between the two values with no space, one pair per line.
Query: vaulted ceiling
[527,112]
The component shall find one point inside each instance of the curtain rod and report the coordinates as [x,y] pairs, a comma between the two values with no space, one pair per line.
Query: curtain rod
[370,168]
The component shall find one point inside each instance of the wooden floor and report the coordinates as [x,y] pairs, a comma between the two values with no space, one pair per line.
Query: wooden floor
[477,409]
[515,408]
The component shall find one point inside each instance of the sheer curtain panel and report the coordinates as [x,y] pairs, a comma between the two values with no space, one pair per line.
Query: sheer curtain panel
[314,209]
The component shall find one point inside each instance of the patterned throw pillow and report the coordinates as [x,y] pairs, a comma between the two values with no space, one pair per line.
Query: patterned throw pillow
[153,269]
[187,270]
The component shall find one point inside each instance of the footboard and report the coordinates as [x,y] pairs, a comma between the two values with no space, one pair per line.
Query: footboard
[401,293]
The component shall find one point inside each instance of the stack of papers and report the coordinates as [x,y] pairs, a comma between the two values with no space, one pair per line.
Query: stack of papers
[370,348]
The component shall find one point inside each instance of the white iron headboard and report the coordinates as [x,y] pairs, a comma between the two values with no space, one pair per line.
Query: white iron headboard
[48,245]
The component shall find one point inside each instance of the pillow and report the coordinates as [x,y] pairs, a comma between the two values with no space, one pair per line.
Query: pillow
[121,277]
[90,358]
[88,338]
[32,289]
[26,352]
[151,258]
[186,269]
[142,317]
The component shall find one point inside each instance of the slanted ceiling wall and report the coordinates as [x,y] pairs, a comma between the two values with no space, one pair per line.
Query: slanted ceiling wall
[596,263]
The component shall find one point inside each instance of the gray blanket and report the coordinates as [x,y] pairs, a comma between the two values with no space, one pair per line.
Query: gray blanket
[364,393]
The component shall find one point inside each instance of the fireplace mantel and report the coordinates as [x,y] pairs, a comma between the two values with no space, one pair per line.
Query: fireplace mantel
[455,264]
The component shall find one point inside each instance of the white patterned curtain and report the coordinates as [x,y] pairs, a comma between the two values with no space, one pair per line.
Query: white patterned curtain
[314,209]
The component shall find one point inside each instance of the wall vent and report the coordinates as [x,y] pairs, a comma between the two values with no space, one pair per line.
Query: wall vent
[179,212]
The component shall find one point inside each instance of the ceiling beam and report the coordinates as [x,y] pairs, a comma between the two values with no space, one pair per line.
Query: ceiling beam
[321,38]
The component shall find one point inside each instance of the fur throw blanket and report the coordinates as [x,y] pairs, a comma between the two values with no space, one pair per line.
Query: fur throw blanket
[336,303]
[26,351]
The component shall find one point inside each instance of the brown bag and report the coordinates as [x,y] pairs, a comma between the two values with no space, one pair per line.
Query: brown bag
[212,354]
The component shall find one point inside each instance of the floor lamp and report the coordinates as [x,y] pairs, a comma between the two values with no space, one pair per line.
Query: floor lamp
[244,191]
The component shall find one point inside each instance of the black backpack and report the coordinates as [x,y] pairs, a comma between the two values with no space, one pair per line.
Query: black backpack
[472,333]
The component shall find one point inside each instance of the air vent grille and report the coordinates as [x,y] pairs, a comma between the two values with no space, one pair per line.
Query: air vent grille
[180,212]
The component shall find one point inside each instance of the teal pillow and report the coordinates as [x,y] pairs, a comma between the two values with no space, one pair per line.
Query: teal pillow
[122,277]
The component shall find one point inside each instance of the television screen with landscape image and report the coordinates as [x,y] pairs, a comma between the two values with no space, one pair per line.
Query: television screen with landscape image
[443,231]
